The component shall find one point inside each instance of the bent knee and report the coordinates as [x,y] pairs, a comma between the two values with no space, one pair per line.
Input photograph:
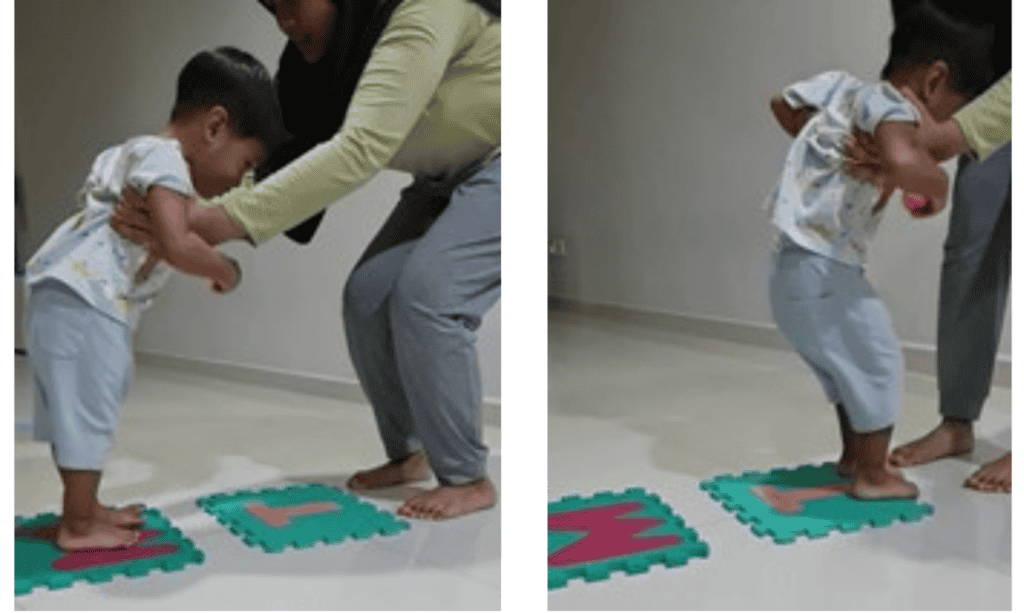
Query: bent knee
[422,286]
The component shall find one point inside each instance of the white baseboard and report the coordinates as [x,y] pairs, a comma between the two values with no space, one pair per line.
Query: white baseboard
[917,358]
[302,383]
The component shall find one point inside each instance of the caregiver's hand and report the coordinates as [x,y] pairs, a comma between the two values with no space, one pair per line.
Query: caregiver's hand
[131,218]
[863,158]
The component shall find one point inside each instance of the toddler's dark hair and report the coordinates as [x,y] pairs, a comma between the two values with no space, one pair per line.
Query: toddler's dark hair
[924,34]
[241,84]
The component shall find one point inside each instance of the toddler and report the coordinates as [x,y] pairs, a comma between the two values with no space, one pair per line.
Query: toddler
[819,295]
[88,285]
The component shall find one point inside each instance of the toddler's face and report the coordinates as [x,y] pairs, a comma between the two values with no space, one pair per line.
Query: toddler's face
[942,100]
[945,104]
[219,166]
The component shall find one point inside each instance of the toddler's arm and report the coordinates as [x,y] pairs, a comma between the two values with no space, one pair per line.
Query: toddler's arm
[182,247]
[792,120]
[910,165]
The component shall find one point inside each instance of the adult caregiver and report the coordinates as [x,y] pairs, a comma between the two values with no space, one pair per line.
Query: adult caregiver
[411,85]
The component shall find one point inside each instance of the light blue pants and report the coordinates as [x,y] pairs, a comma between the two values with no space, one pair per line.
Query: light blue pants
[975,283]
[411,310]
[842,330]
[82,365]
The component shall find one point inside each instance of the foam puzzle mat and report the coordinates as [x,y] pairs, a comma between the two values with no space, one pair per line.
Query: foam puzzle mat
[298,516]
[589,538]
[810,501]
[38,562]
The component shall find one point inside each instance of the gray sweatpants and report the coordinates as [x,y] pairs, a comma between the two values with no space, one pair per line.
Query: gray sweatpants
[975,283]
[411,309]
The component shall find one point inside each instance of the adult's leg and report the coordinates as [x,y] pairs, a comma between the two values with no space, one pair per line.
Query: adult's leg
[367,319]
[450,280]
[972,302]
[368,327]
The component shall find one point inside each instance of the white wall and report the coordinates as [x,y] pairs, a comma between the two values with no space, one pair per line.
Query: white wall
[662,150]
[91,73]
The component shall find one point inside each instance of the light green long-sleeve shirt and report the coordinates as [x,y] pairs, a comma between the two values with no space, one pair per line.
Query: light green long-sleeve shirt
[986,121]
[429,99]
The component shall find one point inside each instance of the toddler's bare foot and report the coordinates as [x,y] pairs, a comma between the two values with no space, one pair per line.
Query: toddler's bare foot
[97,535]
[992,477]
[883,485]
[447,501]
[949,438]
[411,469]
[846,468]
[126,517]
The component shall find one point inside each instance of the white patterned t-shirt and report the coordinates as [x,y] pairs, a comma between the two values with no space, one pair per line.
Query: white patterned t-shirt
[816,202]
[87,255]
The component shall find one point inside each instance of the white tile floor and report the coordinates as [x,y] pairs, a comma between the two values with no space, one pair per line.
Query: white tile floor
[631,406]
[184,436]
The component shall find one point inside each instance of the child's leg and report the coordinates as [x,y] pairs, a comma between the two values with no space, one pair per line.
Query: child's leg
[849,342]
[81,362]
[801,297]
[81,526]
[874,477]
[848,460]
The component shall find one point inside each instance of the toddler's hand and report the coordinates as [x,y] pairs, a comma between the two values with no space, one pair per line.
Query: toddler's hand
[223,286]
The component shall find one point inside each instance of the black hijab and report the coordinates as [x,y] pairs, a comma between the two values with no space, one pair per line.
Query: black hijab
[315,97]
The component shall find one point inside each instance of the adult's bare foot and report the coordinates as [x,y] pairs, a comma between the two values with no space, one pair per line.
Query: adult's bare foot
[949,438]
[409,470]
[125,517]
[886,485]
[97,535]
[448,501]
[992,477]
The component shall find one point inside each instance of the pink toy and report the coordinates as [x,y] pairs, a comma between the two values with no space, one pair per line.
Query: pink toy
[916,203]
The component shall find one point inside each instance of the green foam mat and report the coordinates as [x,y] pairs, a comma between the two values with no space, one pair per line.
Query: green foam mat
[810,501]
[38,562]
[298,516]
[589,538]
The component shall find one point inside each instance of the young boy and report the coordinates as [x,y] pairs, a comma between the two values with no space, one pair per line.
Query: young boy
[820,298]
[88,285]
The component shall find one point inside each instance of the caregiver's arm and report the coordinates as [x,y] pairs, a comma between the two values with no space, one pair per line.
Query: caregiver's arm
[983,125]
[399,80]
